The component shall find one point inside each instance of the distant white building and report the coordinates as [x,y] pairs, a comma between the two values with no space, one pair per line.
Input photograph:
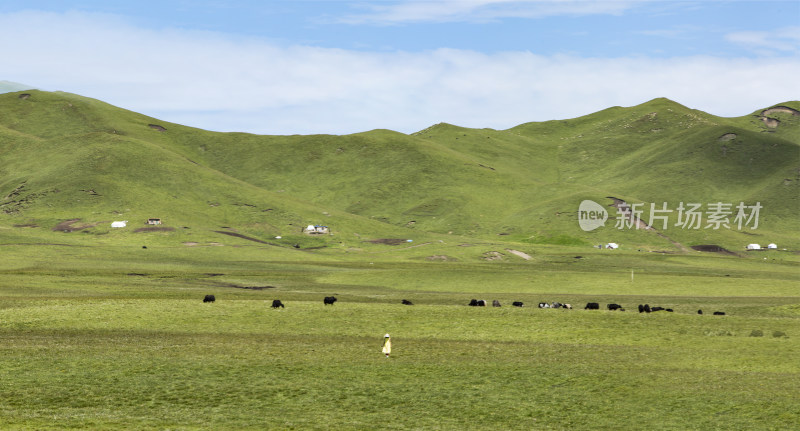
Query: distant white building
[753,246]
[315,229]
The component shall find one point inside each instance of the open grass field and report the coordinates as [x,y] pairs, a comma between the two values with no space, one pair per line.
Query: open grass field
[117,337]
[106,328]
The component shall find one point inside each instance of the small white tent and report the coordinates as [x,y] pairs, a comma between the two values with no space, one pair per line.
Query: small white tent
[773,246]
[753,246]
[612,245]
[119,223]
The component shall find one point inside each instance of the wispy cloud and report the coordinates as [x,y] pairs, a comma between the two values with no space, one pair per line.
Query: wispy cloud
[218,82]
[781,40]
[410,11]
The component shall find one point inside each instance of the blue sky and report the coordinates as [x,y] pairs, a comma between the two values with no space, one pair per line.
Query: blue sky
[300,67]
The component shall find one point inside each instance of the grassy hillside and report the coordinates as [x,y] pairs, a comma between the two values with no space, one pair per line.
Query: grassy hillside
[71,157]
[105,328]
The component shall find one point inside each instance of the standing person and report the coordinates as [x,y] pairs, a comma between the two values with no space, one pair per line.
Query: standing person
[387,345]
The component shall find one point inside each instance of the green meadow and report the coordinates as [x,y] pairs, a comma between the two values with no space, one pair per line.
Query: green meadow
[119,338]
[106,328]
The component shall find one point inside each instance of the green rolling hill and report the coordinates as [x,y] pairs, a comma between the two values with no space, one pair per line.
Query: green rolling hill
[67,157]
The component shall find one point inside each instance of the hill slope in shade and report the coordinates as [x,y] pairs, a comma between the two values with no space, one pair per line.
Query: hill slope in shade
[67,157]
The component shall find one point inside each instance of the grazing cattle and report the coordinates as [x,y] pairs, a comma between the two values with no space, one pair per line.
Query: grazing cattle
[329,300]
[613,307]
[719,313]
[668,310]
[644,308]
[277,303]
[495,303]
[592,306]
[556,305]
[699,311]
[477,303]
[406,302]
[654,309]
[209,298]
[568,306]
[544,305]
[517,303]
[481,303]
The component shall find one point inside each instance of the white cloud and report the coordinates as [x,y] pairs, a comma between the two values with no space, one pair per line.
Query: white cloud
[219,82]
[781,40]
[480,10]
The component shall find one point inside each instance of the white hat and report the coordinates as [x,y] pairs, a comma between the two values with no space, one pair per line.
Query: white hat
[386,336]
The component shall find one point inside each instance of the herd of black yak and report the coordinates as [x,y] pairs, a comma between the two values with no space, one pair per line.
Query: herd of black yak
[643,308]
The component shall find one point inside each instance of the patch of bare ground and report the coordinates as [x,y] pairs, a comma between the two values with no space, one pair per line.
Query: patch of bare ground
[67,226]
[238,286]
[520,254]
[155,229]
[773,123]
[442,258]
[389,241]
[191,244]
[782,109]
[711,248]
[493,255]
[26,225]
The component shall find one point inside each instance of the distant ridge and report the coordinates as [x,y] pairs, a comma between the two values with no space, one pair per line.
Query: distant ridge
[9,87]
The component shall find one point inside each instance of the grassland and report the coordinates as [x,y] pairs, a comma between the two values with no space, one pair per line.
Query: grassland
[105,328]
[118,337]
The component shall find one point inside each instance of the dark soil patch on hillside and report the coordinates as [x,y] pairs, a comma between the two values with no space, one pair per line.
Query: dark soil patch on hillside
[237,286]
[67,226]
[711,248]
[389,241]
[26,225]
[155,229]
[157,127]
